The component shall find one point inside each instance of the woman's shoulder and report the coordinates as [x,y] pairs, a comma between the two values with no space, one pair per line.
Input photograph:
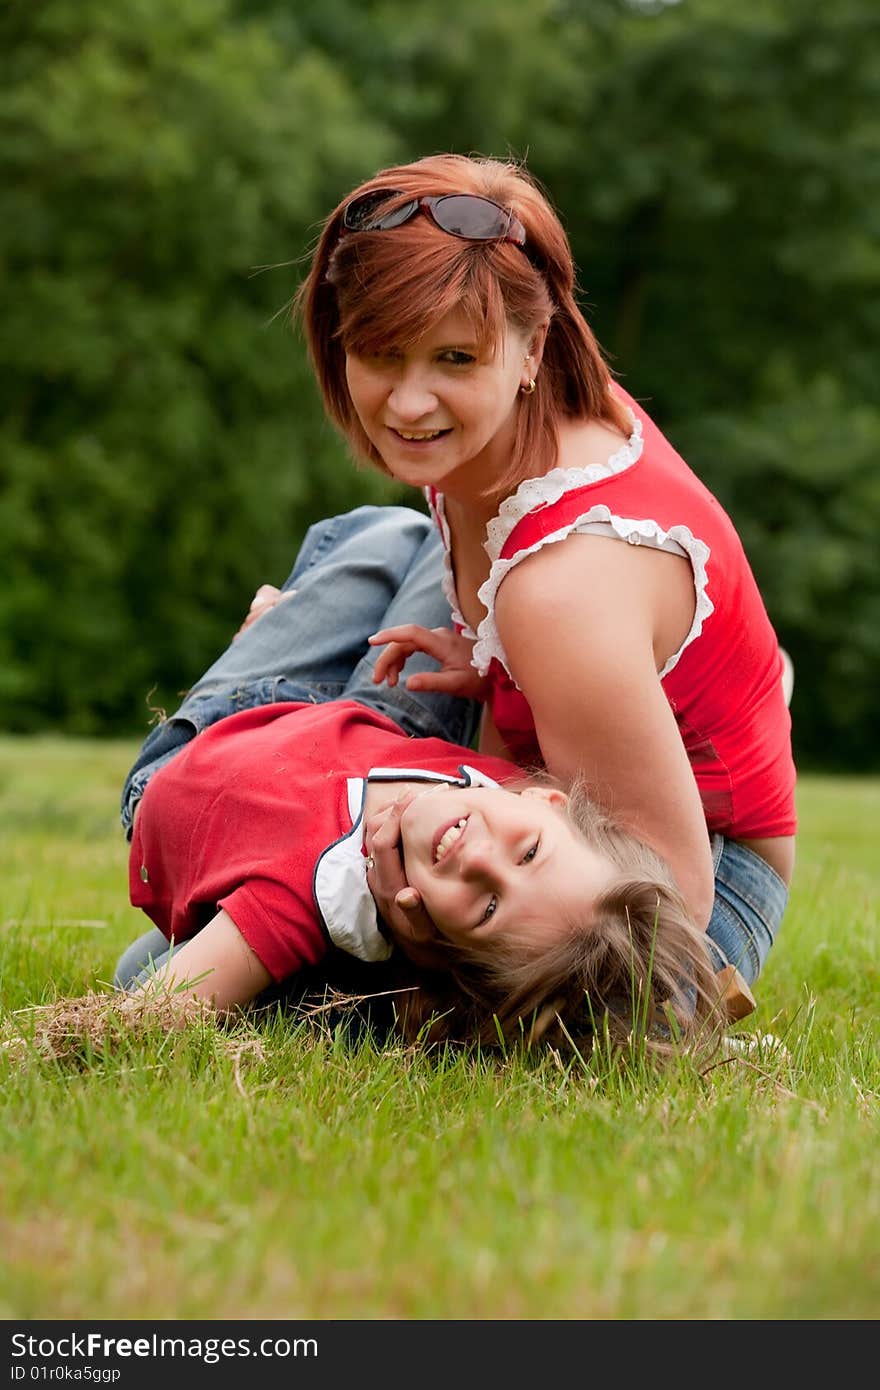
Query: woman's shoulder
[592,444]
[590,453]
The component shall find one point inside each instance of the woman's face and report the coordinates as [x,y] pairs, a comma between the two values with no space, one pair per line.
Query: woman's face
[443,412]
[492,866]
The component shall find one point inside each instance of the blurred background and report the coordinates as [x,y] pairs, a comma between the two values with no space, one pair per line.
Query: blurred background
[164,167]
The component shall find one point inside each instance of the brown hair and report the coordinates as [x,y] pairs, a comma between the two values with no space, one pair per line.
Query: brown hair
[377,290]
[636,966]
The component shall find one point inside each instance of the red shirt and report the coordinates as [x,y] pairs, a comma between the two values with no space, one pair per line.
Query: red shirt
[242,817]
[725,684]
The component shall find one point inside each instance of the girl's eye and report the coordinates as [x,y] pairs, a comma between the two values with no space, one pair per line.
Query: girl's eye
[530,854]
[490,911]
[458,358]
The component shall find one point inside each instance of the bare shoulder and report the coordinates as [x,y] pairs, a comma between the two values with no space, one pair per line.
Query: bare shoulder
[583,443]
[605,589]
[575,617]
[584,574]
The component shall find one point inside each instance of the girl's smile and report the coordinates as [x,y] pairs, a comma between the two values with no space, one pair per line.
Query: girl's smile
[491,865]
[445,840]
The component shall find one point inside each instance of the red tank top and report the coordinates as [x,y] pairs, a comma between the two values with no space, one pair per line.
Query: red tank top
[724,685]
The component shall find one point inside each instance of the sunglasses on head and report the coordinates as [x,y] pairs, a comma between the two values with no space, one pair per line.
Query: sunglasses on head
[464,215]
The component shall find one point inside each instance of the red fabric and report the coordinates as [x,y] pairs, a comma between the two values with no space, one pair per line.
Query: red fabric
[240,816]
[726,689]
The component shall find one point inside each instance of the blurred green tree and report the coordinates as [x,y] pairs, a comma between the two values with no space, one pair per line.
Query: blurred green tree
[162,443]
[717,168]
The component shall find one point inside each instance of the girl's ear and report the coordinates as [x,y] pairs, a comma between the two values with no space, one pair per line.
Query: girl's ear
[552,796]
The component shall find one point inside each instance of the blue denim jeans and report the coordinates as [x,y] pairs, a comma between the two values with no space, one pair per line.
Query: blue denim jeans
[750,899]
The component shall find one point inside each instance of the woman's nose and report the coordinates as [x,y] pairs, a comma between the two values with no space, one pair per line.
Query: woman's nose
[411,396]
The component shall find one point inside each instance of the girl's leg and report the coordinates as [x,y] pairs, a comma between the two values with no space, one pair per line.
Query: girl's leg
[354,574]
[140,959]
[422,714]
[347,573]
[348,569]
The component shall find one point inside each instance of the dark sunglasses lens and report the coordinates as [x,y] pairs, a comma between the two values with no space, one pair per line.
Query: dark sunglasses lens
[365,214]
[467,216]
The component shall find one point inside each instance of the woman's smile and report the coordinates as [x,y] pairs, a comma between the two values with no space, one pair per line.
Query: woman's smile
[444,406]
[418,437]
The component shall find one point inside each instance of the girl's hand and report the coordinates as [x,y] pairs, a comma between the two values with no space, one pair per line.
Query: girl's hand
[453,651]
[399,905]
[265,598]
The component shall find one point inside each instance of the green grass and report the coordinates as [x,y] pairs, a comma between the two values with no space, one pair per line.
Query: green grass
[289,1172]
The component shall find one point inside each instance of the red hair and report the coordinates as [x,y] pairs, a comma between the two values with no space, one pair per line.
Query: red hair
[371,291]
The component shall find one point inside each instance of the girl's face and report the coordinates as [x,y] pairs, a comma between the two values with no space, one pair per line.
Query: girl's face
[491,865]
[443,412]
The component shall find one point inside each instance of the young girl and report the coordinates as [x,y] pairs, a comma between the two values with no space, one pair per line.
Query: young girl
[615,629]
[249,848]
[255,822]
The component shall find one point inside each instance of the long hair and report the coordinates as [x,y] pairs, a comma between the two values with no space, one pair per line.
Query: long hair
[635,967]
[371,291]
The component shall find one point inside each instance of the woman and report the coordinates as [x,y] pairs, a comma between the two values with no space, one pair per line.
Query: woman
[257,811]
[617,631]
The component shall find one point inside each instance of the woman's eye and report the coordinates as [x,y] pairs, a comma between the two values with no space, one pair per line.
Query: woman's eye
[490,911]
[530,854]
[378,358]
[458,359]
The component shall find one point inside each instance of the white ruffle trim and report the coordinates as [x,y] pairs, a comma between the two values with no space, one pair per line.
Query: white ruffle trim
[447,579]
[531,493]
[488,644]
[544,491]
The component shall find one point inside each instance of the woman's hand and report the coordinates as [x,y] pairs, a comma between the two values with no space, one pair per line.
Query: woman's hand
[453,651]
[265,598]
[399,905]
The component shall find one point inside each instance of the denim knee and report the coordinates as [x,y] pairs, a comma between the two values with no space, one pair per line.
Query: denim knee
[750,899]
[139,960]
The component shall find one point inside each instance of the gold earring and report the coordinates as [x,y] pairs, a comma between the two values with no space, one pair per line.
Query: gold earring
[527,390]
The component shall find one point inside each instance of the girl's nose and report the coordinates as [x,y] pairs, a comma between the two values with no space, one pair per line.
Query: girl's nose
[479,859]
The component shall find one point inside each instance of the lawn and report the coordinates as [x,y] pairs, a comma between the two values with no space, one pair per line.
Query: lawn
[291,1171]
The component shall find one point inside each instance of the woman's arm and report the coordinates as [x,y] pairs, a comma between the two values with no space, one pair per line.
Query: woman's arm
[217,964]
[579,622]
[490,741]
[449,648]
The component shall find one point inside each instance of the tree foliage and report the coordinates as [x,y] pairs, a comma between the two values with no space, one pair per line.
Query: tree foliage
[717,168]
[162,445]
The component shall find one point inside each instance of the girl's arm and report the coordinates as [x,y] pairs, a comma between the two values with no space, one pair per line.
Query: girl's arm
[217,964]
[578,621]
